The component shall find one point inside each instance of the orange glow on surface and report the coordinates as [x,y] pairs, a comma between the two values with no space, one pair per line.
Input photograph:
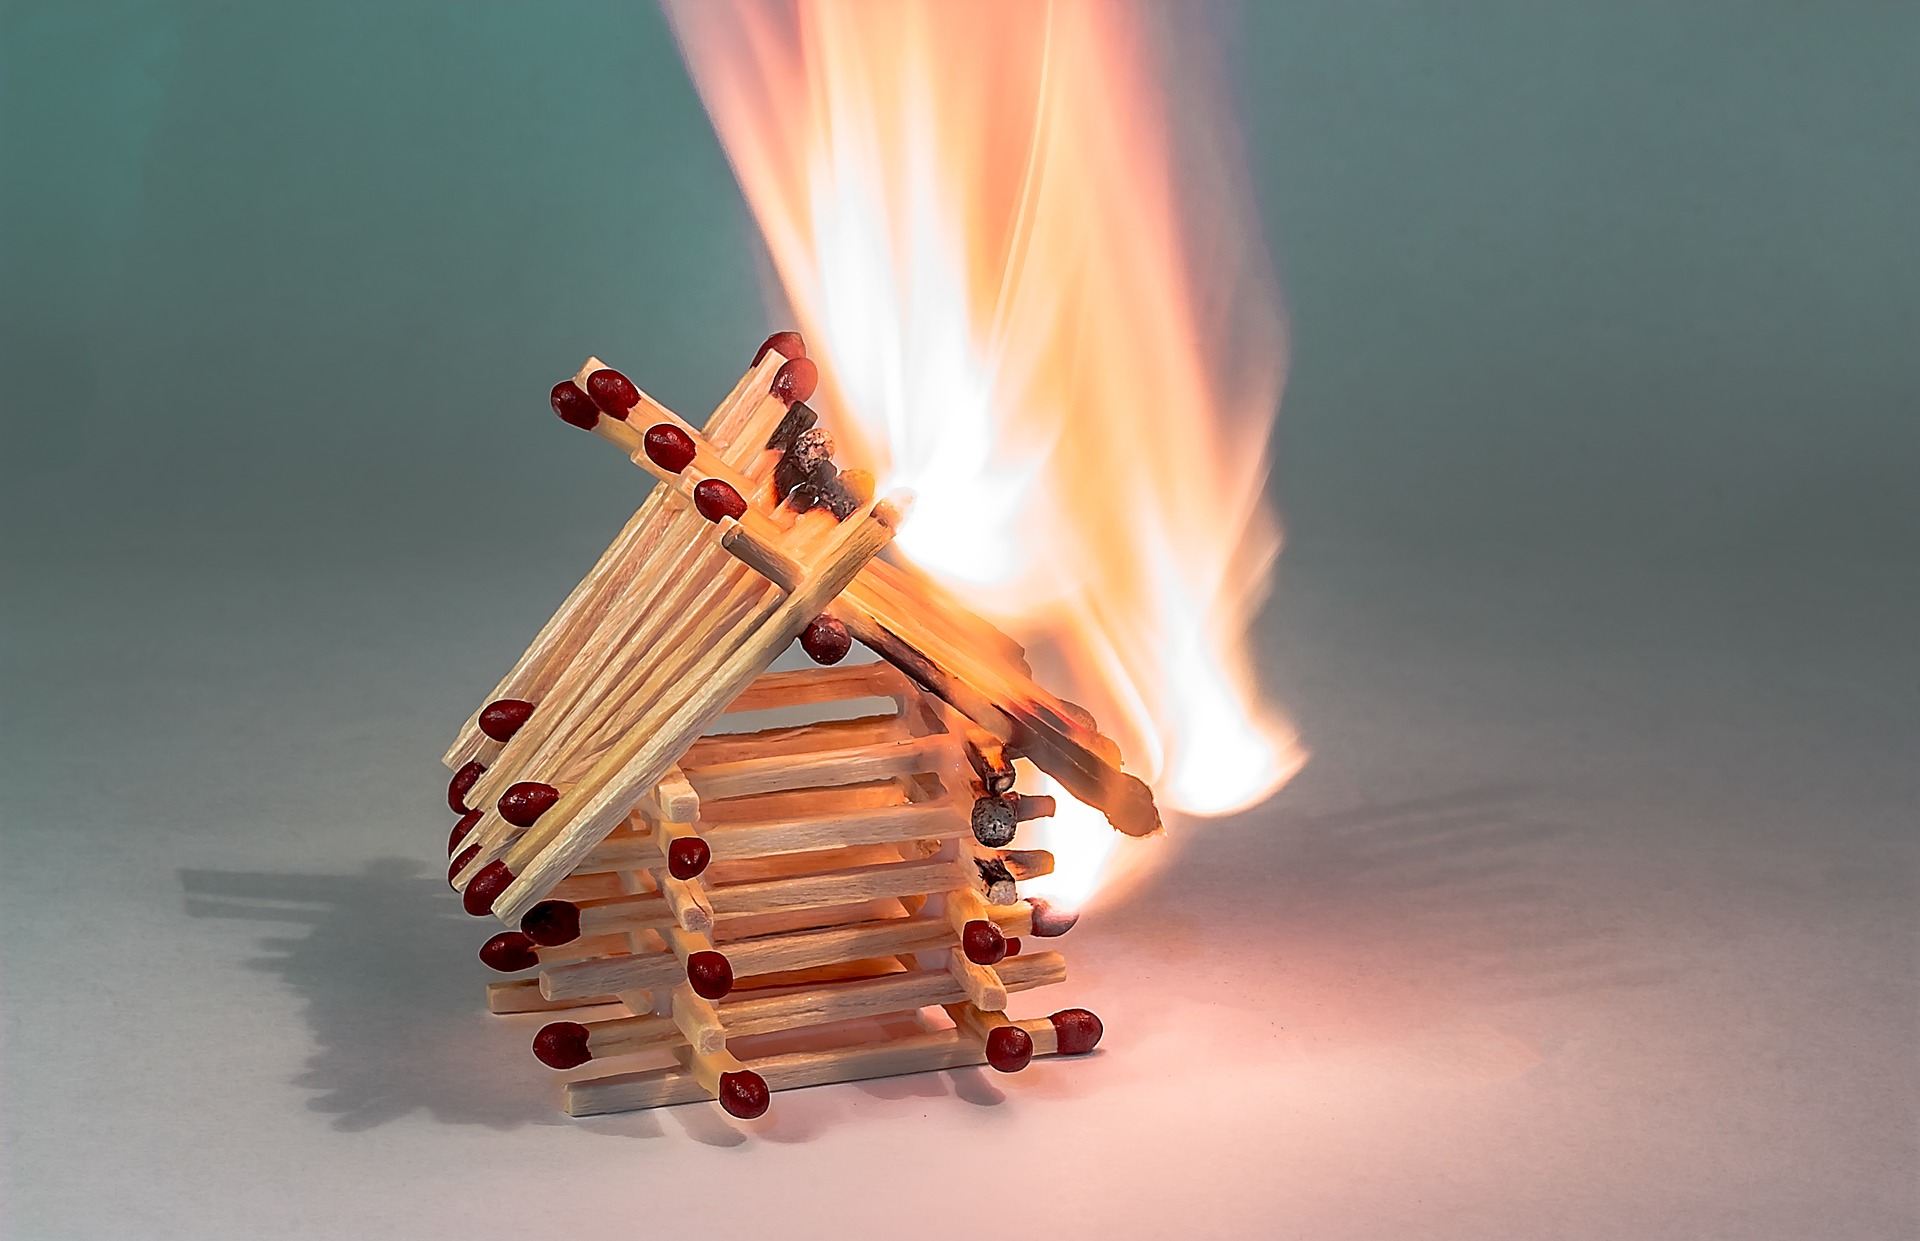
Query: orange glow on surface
[1018,238]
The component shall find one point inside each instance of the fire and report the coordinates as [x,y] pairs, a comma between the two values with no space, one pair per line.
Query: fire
[1018,239]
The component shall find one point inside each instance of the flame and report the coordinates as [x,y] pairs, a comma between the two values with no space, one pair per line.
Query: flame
[1018,239]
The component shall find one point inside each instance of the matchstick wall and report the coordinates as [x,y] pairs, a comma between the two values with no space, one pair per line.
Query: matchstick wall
[714,902]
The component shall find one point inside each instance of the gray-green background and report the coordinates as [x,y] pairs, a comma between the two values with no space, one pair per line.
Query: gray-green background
[1593,914]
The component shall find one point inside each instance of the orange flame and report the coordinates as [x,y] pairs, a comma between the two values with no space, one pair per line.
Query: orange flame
[1017,238]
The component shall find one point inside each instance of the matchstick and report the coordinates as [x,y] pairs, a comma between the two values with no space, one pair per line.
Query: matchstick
[848,765]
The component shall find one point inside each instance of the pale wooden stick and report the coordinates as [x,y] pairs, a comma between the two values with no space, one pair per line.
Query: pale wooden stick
[641,971]
[801,687]
[522,995]
[791,739]
[849,765]
[544,856]
[840,887]
[983,986]
[842,798]
[770,954]
[836,830]
[699,1021]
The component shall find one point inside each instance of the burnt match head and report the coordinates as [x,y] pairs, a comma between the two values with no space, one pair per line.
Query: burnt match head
[502,718]
[1009,1048]
[460,863]
[552,923]
[523,803]
[1077,1031]
[460,830]
[1049,922]
[509,952]
[994,821]
[744,1094]
[485,888]
[806,467]
[796,380]
[982,942]
[716,498]
[562,1045]
[799,417]
[463,779]
[826,640]
[710,974]
[669,447]
[786,344]
[575,407]
[613,393]
[688,856]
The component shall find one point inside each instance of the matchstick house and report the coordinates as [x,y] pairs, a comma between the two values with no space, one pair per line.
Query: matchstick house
[712,900]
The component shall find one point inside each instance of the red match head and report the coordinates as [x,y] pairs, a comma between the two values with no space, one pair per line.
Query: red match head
[502,718]
[613,393]
[509,952]
[826,640]
[710,974]
[796,380]
[460,830]
[460,863]
[716,498]
[552,923]
[983,943]
[523,803]
[1009,1048]
[1013,945]
[786,344]
[669,447]
[574,406]
[463,779]
[1048,921]
[744,1094]
[1077,1031]
[562,1045]
[688,856]
[486,888]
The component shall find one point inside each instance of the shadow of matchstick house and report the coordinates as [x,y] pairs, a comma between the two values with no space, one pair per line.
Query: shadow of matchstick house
[375,957]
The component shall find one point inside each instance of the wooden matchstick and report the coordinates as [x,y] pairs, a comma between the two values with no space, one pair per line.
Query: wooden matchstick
[847,765]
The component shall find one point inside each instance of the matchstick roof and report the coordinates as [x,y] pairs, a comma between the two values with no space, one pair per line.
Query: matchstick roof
[751,535]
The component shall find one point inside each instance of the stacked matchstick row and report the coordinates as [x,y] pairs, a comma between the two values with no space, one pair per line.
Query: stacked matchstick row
[763,907]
